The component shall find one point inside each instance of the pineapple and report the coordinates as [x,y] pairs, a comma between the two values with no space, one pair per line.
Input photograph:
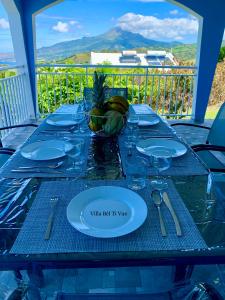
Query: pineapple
[99,88]
[98,97]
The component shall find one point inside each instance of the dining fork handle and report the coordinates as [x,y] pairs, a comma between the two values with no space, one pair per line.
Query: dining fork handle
[49,226]
[162,224]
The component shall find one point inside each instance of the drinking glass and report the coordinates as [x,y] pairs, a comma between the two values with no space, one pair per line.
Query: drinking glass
[161,160]
[76,154]
[131,138]
[132,122]
[79,117]
[136,172]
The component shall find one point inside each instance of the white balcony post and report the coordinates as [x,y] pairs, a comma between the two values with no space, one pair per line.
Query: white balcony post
[209,43]
[16,29]
[22,25]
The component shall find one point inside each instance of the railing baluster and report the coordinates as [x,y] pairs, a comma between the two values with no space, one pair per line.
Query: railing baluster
[39,92]
[158,94]
[146,85]
[177,93]
[5,104]
[67,91]
[164,98]
[152,87]
[23,95]
[182,98]
[140,84]
[20,99]
[53,85]
[190,94]
[60,87]
[171,94]
[47,92]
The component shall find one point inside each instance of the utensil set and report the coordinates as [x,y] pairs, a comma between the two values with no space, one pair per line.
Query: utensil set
[158,199]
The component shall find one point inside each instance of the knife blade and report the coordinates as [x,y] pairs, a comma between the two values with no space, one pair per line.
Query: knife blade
[173,214]
[36,171]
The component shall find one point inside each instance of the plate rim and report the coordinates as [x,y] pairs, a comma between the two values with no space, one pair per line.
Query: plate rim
[97,233]
[163,139]
[51,122]
[64,154]
[156,120]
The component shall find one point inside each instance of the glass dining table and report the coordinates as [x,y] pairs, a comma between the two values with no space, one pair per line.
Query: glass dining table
[205,210]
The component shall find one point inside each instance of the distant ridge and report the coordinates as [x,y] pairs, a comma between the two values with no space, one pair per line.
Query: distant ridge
[114,40]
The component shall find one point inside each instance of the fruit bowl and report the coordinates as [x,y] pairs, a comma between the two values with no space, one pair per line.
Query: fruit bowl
[108,125]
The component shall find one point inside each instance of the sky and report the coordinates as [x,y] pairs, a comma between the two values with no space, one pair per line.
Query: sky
[74,19]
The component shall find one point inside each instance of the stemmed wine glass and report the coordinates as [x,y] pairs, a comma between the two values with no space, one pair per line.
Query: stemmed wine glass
[161,160]
[132,134]
[76,154]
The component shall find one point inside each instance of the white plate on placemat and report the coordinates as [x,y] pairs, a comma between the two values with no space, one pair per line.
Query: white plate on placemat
[149,145]
[148,120]
[107,211]
[62,120]
[46,150]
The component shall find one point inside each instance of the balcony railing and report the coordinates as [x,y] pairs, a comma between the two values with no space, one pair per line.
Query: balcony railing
[13,107]
[168,89]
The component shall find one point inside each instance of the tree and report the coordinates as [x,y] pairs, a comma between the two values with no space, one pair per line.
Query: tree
[222,54]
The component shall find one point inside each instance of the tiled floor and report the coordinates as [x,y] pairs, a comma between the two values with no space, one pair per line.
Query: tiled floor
[117,280]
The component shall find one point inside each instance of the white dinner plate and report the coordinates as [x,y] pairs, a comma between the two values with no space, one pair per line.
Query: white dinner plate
[62,120]
[142,109]
[46,150]
[107,211]
[149,145]
[148,120]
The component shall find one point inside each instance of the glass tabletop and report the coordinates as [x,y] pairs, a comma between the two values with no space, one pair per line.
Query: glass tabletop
[104,163]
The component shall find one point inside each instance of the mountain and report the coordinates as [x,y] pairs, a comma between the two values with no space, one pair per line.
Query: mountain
[114,40]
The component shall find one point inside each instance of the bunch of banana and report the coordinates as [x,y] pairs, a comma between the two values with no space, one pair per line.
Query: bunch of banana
[117,103]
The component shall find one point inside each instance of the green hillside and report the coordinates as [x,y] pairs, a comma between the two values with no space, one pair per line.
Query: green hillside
[115,40]
[183,53]
[186,52]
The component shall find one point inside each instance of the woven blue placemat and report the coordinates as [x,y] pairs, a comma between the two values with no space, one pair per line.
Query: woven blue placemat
[66,239]
[186,165]
[17,160]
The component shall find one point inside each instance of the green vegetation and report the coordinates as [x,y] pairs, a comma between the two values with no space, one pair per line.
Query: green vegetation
[222,54]
[185,53]
[169,94]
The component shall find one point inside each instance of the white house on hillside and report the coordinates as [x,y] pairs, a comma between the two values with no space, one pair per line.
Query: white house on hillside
[150,58]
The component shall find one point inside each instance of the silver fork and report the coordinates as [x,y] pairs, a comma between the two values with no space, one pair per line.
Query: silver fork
[55,166]
[53,202]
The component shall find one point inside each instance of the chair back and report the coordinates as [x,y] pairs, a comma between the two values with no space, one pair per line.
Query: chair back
[108,93]
[216,134]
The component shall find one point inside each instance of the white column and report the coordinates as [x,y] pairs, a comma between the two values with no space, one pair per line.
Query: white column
[209,42]
[16,29]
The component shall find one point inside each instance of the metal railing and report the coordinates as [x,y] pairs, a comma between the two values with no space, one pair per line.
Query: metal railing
[13,107]
[168,89]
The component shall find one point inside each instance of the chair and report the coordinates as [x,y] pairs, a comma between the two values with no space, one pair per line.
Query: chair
[116,296]
[108,93]
[5,153]
[212,152]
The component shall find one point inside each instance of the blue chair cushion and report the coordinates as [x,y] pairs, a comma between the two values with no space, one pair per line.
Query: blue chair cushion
[210,160]
[3,158]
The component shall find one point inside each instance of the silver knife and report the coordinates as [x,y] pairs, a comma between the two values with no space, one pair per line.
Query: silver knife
[36,171]
[173,214]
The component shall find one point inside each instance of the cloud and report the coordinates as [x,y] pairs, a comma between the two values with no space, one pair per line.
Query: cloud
[174,12]
[66,26]
[61,27]
[158,29]
[73,22]
[4,24]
